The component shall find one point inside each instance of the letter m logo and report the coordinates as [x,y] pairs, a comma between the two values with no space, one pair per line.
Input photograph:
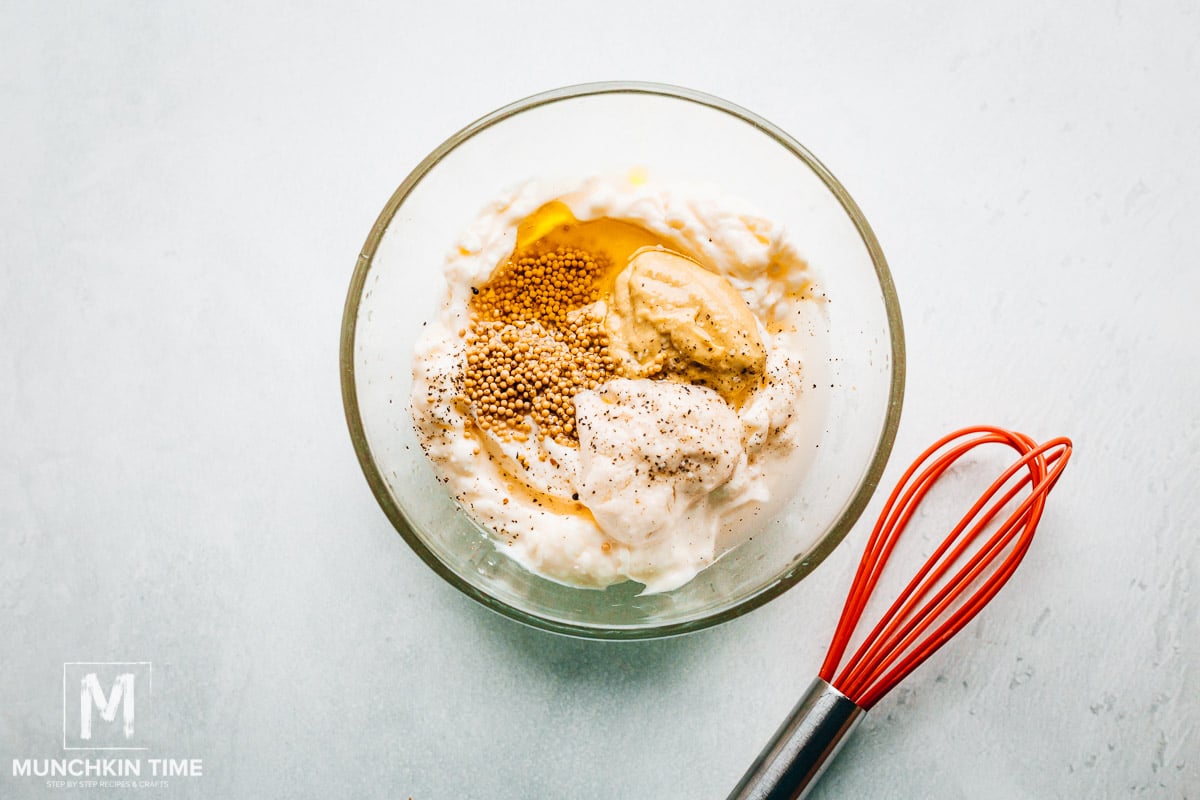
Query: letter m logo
[92,696]
[102,702]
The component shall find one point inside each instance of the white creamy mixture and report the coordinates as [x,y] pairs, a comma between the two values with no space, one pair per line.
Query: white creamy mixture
[667,476]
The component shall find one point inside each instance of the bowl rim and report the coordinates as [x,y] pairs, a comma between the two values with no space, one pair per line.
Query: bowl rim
[783,582]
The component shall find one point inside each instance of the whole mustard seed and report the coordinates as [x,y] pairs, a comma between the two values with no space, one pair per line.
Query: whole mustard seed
[533,343]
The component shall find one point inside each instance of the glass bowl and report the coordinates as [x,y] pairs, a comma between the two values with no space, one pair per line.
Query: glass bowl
[566,136]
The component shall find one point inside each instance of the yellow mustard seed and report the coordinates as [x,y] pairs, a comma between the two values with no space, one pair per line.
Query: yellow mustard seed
[532,343]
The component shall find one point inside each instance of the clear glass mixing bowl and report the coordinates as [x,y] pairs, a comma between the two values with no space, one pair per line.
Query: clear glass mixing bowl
[565,136]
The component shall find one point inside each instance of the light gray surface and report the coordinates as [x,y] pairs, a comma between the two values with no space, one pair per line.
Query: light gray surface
[185,190]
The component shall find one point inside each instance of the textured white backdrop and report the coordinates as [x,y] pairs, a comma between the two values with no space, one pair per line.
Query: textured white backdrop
[185,190]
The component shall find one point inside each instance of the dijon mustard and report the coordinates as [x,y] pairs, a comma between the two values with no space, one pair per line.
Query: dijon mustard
[668,317]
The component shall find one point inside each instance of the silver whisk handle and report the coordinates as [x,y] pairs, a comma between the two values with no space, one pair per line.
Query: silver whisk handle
[802,747]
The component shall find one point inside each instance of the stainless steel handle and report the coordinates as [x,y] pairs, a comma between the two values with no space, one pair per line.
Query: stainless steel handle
[802,747]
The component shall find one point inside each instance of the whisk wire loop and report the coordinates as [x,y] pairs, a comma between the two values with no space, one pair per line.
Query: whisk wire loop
[945,594]
[895,638]
[895,647]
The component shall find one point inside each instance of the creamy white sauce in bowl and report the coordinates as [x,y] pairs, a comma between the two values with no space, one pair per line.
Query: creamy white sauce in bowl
[666,476]
[850,350]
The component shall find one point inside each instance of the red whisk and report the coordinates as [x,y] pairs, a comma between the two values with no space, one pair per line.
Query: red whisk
[956,581]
